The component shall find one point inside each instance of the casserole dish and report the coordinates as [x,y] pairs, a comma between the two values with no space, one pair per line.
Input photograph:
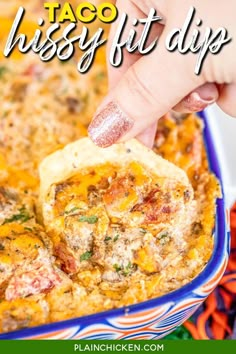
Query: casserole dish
[155,318]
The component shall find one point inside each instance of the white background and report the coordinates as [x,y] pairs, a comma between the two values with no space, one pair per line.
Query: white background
[223,128]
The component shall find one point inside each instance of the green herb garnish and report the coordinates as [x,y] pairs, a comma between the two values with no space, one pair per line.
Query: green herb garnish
[108,239]
[143,231]
[85,256]
[124,270]
[89,219]
[22,216]
[117,267]
[127,270]
[28,229]
[163,235]
[116,237]
[71,211]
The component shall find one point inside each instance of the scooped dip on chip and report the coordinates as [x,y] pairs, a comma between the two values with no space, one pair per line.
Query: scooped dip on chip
[123,215]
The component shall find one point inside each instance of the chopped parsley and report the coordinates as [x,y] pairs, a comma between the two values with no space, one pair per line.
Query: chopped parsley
[163,235]
[107,238]
[143,231]
[127,270]
[28,229]
[22,216]
[71,211]
[124,270]
[117,267]
[85,256]
[89,219]
[116,237]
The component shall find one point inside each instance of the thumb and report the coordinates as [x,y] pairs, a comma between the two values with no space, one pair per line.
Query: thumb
[147,91]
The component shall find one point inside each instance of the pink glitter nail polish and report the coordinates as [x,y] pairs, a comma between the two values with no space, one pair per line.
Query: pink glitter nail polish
[195,103]
[109,125]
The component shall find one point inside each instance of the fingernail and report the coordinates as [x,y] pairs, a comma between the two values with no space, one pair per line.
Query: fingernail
[194,102]
[109,125]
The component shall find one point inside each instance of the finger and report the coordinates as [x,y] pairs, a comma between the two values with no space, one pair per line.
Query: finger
[124,6]
[148,136]
[227,100]
[149,89]
[138,12]
[199,99]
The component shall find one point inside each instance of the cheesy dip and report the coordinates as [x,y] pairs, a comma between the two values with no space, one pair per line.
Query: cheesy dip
[107,228]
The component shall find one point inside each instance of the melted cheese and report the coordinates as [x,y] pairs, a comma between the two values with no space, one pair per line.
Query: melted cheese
[131,261]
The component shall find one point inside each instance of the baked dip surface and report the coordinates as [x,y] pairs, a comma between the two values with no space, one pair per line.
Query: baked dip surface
[108,231]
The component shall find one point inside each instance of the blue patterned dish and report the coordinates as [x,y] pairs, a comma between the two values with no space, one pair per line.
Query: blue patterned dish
[155,318]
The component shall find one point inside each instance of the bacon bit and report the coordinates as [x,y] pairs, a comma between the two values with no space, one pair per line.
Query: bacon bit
[68,264]
[156,209]
[38,281]
[116,191]
[103,184]
[166,210]
[151,198]
[121,195]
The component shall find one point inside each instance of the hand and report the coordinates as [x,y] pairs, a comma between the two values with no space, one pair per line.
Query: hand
[145,88]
